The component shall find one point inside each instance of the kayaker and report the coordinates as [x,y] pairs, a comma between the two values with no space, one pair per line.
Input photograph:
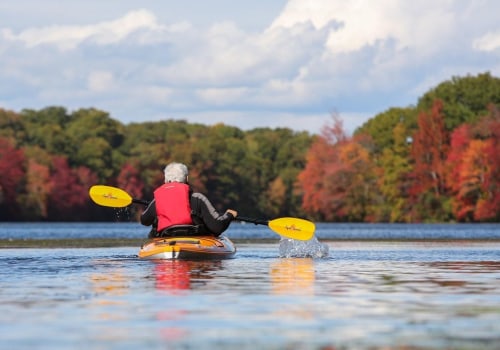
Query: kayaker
[177,210]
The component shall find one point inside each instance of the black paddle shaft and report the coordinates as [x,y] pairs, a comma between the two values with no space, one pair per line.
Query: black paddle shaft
[140,201]
[253,221]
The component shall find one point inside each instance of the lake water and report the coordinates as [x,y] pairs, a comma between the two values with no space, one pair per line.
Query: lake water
[324,231]
[380,287]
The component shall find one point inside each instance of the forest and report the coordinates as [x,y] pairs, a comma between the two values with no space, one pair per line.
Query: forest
[435,161]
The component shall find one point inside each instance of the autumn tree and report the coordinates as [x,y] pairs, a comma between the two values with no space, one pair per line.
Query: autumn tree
[462,202]
[129,180]
[68,197]
[38,188]
[474,167]
[354,181]
[12,173]
[429,151]
[312,180]
[488,130]
[276,198]
[339,180]
[393,179]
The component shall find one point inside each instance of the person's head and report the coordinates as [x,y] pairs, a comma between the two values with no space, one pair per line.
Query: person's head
[176,172]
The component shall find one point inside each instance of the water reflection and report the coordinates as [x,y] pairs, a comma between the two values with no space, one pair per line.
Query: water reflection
[449,277]
[110,283]
[179,276]
[176,278]
[172,276]
[108,289]
[293,276]
[469,266]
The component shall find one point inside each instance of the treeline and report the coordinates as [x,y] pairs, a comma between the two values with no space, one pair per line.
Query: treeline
[438,161]
[49,159]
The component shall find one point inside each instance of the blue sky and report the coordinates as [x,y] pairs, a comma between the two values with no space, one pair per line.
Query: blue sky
[262,63]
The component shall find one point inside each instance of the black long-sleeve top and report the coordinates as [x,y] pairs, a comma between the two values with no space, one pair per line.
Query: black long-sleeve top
[203,213]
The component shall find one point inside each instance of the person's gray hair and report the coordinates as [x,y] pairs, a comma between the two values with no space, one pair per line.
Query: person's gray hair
[176,172]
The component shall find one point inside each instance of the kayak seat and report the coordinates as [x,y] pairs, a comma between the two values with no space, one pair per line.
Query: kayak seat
[179,230]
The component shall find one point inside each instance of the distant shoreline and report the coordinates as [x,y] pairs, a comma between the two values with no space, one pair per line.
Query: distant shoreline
[71,243]
[134,242]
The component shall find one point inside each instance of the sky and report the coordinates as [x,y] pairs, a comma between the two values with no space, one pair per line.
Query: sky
[249,64]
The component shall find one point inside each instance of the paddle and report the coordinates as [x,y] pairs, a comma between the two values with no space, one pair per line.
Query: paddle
[114,197]
[294,228]
[300,229]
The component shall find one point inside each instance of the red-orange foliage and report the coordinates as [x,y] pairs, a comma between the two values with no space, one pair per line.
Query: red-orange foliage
[129,180]
[12,171]
[352,181]
[311,179]
[459,142]
[320,160]
[473,169]
[38,187]
[337,179]
[463,207]
[69,190]
[488,206]
[429,151]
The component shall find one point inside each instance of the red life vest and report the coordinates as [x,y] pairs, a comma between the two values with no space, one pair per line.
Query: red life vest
[172,205]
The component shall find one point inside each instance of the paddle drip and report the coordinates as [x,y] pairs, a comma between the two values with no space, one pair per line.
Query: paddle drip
[291,248]
[122,214]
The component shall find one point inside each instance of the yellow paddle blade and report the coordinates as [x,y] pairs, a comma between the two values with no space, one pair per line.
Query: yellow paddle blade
[293,228]
[108,196]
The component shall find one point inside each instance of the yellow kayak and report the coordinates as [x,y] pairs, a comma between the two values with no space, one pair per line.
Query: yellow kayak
[188,248]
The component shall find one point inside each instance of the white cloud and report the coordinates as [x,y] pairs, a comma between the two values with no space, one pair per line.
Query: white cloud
[488,42]
[100,81]
[103,33]
[360,23]
[222,96]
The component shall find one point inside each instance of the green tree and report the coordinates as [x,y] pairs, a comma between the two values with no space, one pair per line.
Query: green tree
[275,158]
[380,128]
[12,126]
[46,129]
[95,135]
[465,99]
[393,182]
[218,159]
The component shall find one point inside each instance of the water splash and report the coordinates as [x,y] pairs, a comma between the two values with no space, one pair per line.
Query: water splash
[291,248]
[122,214]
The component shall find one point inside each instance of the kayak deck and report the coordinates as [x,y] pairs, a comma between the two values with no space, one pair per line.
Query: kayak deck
[188,248]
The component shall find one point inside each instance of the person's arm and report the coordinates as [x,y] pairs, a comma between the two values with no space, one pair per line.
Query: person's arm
[148,216]
[211,218]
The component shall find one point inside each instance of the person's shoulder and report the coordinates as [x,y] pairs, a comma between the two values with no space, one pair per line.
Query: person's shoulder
[198,195]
